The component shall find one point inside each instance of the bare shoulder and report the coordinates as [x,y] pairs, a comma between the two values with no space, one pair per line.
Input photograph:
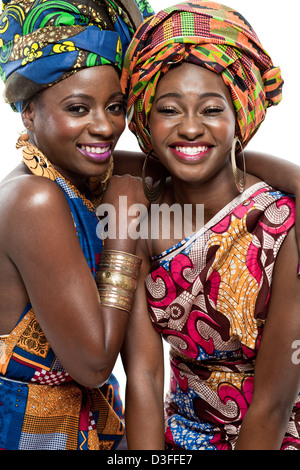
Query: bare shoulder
[27,202]
[22,190]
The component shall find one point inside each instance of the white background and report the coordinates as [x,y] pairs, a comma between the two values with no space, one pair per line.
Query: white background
[277,25]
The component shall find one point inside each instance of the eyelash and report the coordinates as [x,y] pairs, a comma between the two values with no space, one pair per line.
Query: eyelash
[208,110]
[167,109]
[214,109]
[75,108]
[121,105]
[82,109]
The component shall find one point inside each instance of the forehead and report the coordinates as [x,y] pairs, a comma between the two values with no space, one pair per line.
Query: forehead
[98,82]
[188,78]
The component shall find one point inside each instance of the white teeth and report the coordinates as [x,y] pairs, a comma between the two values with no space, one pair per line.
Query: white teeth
[97,150]
[191,150]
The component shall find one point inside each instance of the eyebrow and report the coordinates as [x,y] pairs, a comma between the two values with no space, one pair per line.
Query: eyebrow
[85,96]
[202,95]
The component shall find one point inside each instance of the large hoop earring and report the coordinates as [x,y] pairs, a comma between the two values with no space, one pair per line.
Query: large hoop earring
[239,182]
[153,193]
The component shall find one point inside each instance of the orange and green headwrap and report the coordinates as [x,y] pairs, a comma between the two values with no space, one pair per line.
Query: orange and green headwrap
[44,41]
[210,35]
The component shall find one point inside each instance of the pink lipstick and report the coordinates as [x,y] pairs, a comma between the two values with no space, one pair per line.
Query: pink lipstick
[96,152]
[191,152]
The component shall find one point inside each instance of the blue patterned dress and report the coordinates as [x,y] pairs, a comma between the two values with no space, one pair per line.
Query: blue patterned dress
[41,406]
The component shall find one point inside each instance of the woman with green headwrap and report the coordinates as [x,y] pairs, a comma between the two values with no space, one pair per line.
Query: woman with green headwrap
[199,84]
[61,65]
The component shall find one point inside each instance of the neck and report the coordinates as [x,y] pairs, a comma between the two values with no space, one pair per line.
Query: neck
[213,194]
[79,181]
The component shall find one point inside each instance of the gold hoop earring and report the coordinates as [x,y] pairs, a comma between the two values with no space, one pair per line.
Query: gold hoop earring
[153,193]
[239,182]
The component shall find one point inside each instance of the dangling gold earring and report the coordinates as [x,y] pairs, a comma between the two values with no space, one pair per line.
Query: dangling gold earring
[153,193]
[240,183]
[98,184]
[104,178]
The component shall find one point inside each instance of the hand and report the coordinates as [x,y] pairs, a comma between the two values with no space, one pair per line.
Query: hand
[126,185]
[124,194]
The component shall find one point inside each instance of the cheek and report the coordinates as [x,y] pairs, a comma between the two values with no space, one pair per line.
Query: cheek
[159,129]
[51,122]
[120,125]
[226,129]
[232,123]
[53,133]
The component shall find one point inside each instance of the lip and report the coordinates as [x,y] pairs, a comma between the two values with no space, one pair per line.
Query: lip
[191,152]
[97,152]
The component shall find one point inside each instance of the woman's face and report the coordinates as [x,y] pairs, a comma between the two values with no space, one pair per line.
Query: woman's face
[77,122]
[192,123]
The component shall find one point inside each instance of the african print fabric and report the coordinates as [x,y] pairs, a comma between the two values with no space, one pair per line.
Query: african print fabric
[210,35]
[41,406]
[43,42]
[208,297]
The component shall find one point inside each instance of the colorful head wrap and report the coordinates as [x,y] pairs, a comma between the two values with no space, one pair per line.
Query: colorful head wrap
[210,35]
[45,41]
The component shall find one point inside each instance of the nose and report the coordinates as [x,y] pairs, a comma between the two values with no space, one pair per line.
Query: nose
[192,126]
[101,124]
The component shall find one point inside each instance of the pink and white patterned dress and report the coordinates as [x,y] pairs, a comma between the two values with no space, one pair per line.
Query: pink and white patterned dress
[208,297]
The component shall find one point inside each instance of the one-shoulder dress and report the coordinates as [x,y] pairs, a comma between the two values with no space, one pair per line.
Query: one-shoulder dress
[208,297]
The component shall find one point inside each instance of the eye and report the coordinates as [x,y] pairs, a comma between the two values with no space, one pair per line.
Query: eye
[117,104]
[167,110]
[117,107]
[78,109]
[213,110]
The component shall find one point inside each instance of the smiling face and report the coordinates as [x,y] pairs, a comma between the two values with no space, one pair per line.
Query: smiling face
[192,124]
[77,122]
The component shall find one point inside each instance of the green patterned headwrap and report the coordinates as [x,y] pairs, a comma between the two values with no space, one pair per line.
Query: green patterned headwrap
[45,41]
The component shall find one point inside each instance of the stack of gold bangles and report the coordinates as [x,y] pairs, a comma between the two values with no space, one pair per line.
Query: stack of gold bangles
[116,278]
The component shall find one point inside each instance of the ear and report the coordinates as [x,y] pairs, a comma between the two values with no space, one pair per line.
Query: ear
[28,116]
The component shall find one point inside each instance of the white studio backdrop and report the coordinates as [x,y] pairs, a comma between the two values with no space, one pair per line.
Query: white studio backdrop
[276,24]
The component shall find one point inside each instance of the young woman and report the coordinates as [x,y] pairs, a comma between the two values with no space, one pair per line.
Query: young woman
[205,83]
[58,340]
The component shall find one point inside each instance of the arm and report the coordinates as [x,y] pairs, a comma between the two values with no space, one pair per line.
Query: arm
[277,172]
[39,238]
[276,377]
[142,357]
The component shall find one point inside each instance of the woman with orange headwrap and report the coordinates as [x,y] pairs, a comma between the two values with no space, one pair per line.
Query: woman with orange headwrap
[199,85]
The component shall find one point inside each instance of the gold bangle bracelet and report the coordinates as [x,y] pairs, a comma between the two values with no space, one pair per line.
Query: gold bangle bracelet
[120,261]
[117,278]
[115,297]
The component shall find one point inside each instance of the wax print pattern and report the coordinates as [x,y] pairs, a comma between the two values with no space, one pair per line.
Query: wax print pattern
[45,41]
[208,297]
[41,406]
[210,35]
